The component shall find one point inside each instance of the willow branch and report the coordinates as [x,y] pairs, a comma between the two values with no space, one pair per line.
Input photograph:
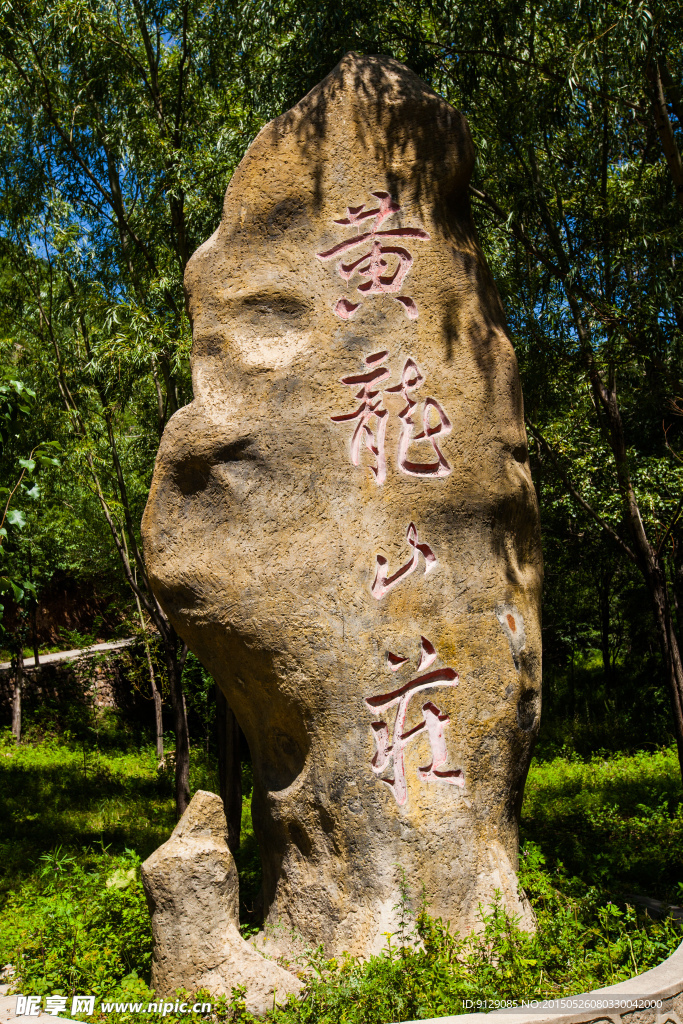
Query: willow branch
[575,494]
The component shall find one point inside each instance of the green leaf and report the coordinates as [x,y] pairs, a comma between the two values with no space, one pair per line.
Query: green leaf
[120,879]
[15,517]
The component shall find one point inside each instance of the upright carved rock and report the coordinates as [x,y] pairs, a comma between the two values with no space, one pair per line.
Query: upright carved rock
[342,525]
[192,891]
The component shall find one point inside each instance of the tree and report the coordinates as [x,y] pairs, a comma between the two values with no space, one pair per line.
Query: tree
[574,176]
[124,130]
[16,400]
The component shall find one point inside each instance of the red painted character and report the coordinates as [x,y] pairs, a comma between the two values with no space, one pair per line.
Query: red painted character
[434,722]
[375,261]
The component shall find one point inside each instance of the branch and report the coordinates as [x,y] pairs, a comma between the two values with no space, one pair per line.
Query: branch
[672,91]
[181,74]
[517,231]
[667,534]
[625,549]
[153,65]
[607,318]
[11,495]
[152,605]
[663,123]
[679,507]
[544,69]
[124,494]
[67,140]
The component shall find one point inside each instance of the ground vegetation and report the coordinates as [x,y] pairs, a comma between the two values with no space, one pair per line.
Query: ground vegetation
[597,833]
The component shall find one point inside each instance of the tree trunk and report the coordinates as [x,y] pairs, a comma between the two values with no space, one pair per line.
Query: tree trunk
[34,613]
[156,694]
[174,668]
[572,691]
[16,696]
[158,721]
[603,588]
[671,655]
[229,768]
[34,631]
[665,130]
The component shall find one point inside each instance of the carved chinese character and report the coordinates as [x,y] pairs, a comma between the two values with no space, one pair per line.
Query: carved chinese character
[388,755]
[411,380]
[384,583]
[375,261]
[372,415]
[370,409]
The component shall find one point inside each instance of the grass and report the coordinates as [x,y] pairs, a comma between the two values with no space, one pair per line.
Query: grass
[79,819]
[615,820]
[67,794]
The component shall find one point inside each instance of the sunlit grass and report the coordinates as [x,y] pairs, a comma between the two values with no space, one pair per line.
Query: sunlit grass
[69,794]
[613,820]
[78,819]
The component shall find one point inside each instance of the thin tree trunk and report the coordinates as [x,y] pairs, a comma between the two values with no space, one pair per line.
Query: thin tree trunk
[34,632]
[185,716]
[34,610]
[158,720]
[16,696]
[156,695]
[603,588]
[229,768]
[604,643]
[665,130]
[671,654]
[174,668]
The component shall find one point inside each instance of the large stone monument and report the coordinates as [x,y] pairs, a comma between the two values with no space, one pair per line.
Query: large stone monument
[342,524]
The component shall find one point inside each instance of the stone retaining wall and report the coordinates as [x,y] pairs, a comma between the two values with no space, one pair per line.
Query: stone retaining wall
[103,681]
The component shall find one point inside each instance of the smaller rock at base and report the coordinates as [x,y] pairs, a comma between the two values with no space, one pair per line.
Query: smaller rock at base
[192,891]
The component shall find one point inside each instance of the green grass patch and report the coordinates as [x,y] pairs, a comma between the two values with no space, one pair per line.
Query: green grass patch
[73,918]
[614,821]
[57,793]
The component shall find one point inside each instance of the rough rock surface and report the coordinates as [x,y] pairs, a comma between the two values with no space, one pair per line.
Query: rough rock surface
[342,524]
[192,890]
